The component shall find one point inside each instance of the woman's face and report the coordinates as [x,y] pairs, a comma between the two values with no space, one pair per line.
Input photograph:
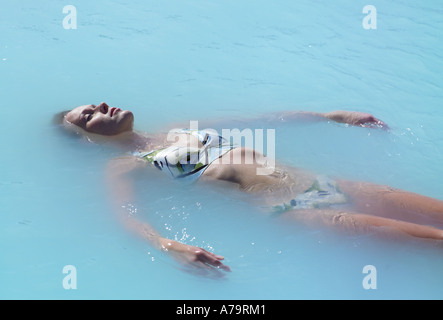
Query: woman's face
[101,119]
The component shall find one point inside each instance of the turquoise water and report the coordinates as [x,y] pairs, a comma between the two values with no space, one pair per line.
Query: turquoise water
[186,60]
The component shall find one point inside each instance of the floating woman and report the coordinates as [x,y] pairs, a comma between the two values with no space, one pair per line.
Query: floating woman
[204,155]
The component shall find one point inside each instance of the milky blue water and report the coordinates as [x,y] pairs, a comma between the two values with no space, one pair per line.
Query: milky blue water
[171,61]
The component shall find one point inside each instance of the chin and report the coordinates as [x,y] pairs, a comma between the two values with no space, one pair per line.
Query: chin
[128,114]
[128,120]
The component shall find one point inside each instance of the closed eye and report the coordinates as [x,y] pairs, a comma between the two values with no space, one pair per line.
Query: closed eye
[88,113]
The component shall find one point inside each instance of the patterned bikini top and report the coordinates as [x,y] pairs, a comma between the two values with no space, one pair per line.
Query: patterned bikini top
[188,161]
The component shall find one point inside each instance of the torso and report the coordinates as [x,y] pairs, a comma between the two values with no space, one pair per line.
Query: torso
[281,185]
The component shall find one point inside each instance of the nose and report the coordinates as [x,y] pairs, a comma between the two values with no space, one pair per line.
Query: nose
[103,107]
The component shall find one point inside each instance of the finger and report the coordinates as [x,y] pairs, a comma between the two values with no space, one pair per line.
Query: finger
[376,123]
[225,268]
[383,125]
[204,269]
[205,253]
[215,263]
[211,259]
[201,265]
[211,253]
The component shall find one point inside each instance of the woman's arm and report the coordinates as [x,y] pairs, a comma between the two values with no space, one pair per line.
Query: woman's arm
[353,118]
[348,117]
[121,190]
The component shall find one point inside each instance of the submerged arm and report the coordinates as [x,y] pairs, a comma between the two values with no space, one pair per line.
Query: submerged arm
[122,195]
[121,186]
[348,117]
[353,118]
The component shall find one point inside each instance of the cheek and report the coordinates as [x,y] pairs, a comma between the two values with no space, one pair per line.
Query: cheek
[104,126]
[98,126]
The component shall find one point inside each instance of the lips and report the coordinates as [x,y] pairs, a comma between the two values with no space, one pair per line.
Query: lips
[114,110]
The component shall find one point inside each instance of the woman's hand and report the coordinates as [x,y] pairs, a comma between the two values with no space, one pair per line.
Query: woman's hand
[356,119]
[193,256]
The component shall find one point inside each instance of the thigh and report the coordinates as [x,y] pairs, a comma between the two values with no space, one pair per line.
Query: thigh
[359,223]
[385,201]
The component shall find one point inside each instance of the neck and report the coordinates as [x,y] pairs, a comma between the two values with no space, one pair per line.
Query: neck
[131,141]
[127,141]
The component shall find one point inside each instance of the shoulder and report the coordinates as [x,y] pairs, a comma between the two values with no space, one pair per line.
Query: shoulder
[124,164]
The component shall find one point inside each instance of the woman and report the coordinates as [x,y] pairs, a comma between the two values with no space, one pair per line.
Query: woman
[204,155]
